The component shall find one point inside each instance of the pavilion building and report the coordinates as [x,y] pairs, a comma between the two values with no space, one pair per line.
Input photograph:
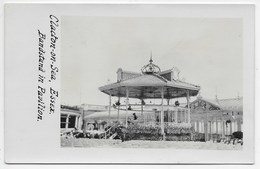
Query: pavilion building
[219,117]
[75,116]
[151,83]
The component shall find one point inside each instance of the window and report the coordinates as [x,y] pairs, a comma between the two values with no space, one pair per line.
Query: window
[62,121]
[71,123]
[72,120]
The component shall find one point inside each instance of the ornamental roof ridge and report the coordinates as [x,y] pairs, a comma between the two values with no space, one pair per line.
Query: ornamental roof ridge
[187,83]
[127,71]
[166,71]
[138,75]
[159,76]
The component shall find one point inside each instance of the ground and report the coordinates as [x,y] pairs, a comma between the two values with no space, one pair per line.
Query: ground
[103,143]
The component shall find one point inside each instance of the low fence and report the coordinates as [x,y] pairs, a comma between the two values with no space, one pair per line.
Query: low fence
[201,137]
[172,132]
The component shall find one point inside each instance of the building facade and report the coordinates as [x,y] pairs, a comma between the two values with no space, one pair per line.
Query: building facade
[70,118]
[217,118]
[75,116]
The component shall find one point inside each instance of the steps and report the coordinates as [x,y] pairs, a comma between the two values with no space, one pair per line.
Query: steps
[113,136]
[111,133]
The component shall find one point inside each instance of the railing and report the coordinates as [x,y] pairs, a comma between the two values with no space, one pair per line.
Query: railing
[153,107]
[108,131]
[165,124]
[185,125]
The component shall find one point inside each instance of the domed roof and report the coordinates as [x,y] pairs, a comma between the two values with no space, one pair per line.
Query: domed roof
[150,68]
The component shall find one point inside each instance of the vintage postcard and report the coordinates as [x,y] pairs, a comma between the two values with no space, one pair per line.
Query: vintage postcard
[129,83]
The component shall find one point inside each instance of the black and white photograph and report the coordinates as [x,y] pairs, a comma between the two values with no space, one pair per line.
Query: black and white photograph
[129,83]
[161,82]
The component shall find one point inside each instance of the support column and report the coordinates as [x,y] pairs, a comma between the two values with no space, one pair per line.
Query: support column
[198,126]
[176,116]
[238,124]
[231,127]
[142,110]
[76,122]
[127,93]
[206,130]
[223,128]
[168,110]
[210,129]
[67,122]
[83,122]
[185,116]
[78,127]
[188,103]
[193,124]
[109,109]
[202,127]
[216,126]
[181,116]
[172,115]
[206,127]
[118,107]
[235,125]
[162,114]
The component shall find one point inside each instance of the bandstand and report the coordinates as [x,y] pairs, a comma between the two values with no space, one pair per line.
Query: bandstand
[152,83]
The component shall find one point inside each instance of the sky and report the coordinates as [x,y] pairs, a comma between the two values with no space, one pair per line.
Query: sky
[207,51]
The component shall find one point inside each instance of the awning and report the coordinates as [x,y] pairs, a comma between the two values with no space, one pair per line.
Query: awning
[149,86]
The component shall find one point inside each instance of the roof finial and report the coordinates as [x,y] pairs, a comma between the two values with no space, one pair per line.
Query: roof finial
[216,93]
[151,68]
[151,57]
